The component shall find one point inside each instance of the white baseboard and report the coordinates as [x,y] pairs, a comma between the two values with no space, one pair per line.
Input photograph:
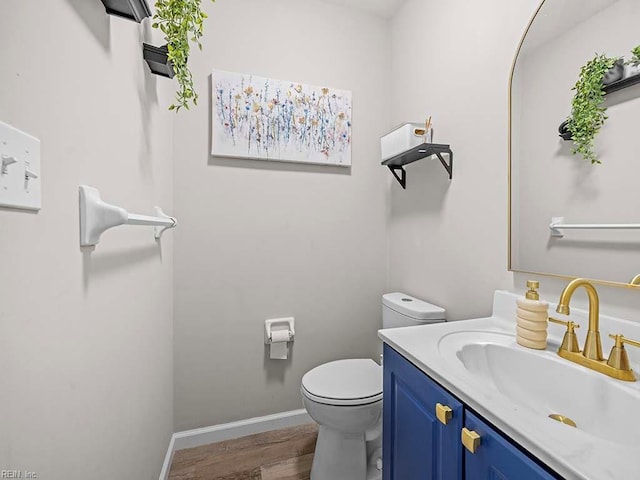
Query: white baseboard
[229,431]
[168,458]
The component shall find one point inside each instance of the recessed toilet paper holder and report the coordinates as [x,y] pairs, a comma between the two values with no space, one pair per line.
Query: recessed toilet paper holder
[279,325]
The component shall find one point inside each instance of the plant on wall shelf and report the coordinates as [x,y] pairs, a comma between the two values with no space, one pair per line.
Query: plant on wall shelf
[632,67]
[636,55]
[182,22]
[587,113]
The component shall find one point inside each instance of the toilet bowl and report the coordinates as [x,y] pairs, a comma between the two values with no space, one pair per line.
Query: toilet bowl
[344,398]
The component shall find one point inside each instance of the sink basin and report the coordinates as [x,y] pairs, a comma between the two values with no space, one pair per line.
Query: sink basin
[545,384]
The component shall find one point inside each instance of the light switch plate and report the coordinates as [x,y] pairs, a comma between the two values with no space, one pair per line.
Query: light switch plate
[20,174]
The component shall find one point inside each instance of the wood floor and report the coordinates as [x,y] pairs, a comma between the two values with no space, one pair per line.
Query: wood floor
[276,455]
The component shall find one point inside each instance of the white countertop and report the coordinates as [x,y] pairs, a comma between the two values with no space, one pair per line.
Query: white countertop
[572,453]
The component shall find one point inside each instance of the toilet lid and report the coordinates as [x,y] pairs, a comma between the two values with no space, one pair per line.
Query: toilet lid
[355,381]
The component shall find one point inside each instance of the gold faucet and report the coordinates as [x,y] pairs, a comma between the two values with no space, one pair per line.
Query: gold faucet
[592,345]
[591,357]
[635,280]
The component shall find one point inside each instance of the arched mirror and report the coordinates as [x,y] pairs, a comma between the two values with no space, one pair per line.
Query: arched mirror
[596,205]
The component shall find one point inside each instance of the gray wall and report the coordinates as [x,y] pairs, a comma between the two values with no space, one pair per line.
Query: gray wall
[448,240]
[261,239]
[85,336]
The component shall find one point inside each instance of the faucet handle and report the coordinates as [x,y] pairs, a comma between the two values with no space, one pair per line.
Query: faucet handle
[621,339]
[570,340]
[570,325]
[618,357]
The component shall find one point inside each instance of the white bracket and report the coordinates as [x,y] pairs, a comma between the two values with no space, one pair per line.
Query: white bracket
[278,325]
[555,231]
[158,230]
[97,216]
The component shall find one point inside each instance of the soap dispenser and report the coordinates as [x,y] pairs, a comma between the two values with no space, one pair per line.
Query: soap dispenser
[532,314]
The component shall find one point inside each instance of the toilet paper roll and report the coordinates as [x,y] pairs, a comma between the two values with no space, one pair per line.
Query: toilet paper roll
[278,347]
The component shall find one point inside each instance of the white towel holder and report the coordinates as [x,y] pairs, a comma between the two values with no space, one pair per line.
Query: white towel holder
[557,225]
[97,216]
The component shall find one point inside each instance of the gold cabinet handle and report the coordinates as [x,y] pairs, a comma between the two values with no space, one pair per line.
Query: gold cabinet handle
[443,413]
[470,440]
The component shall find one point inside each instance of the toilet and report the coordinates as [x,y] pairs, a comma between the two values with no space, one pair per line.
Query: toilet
[344,398]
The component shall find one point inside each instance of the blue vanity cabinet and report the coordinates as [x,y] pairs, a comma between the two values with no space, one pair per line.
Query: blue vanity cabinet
[496,458]
[417,444]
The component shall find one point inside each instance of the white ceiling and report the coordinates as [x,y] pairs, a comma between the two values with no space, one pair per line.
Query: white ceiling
[382,8]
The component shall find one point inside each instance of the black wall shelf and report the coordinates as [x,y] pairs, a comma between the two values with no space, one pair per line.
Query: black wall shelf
[418,153]
[612,87]
[135,10]
[620,84]
[158,60]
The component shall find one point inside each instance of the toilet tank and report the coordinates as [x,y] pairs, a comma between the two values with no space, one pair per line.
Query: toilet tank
[402,310]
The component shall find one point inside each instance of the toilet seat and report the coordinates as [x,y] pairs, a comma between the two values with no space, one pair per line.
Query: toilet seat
[349,382]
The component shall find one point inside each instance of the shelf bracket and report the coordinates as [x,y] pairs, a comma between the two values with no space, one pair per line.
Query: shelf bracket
[447,166]
[424,150]
[401,179]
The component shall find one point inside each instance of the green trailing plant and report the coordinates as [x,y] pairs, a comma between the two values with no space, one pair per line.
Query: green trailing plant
[636,55]
[587,113]
[182,23]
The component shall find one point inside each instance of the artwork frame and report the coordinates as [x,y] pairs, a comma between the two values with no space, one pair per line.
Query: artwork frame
[263,118]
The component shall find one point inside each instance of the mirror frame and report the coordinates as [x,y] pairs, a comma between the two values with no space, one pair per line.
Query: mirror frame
[510,197]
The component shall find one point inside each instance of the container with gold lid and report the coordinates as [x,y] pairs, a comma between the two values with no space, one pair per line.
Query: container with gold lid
[532,314]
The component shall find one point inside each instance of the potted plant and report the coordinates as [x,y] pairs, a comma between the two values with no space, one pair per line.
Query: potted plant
[563,131]
[615,73]
[633,65]
[587,113]
[158,60]
[134,10]
[182,22]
